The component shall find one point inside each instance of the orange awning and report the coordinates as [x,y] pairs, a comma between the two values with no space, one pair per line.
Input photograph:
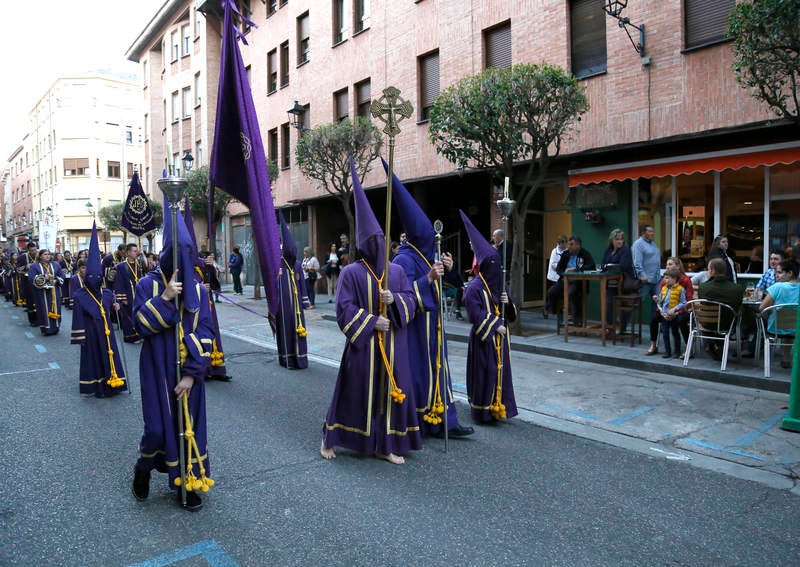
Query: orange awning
[702,163]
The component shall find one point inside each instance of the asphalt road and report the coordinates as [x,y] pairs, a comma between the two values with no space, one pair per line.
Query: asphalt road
[514,494]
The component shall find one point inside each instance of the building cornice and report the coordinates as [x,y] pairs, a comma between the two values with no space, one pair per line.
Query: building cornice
[154,30]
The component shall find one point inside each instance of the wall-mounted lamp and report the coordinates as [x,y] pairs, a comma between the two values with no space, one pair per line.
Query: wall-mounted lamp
[296,114]
[188,161]
[614,8]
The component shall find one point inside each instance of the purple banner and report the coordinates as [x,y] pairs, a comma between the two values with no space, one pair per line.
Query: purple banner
[137,216]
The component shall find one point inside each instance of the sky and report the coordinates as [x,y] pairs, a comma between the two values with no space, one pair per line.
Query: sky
[42,41]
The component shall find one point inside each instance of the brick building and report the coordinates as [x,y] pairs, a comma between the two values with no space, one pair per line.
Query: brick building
[670,140]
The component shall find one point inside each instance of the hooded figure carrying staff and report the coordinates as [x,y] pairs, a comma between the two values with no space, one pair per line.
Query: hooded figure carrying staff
[156,317]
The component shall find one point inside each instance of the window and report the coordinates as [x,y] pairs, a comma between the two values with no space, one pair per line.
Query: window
[706,21]
[186,39]
[428,82]
[340,105]
[76,166]
[588,38]
[247,12]
[272,7]
[303,44]
[128,136]
[272,71]
[338,21]
[272,145]
[286,157]
[175,46]
[113,169]
[307,117]
[284,64]
[363,98]
[197,89]
[198,24]
[497,46]
[175,109]
[198,153]
[187,101]
[145,76]
[360,15]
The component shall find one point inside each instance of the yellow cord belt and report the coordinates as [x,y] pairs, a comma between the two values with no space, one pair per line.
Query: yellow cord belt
[395,392]
[192,482]
[114,381]
[301,331]
[497,407]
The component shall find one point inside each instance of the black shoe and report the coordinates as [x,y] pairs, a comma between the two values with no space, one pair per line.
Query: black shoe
[193,501]
[666,355]
[459,316]
[456,432]
[141,485]
[224,378]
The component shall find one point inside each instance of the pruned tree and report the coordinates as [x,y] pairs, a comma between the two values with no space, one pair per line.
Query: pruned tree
[111,216]
[323,155]
[766,51]
[506,116]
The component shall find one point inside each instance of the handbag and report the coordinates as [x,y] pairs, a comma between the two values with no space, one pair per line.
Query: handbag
[630,284]
[312,275]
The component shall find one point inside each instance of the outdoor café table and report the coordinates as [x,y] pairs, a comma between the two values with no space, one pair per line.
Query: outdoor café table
[584,278]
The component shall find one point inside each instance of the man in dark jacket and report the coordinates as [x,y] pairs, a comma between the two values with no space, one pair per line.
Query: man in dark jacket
[235,263]
[719,287]
[575,259]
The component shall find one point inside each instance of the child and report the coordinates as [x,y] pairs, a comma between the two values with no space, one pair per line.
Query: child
[670,300]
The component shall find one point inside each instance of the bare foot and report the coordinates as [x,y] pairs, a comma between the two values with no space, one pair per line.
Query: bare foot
[392,458]
[326,453]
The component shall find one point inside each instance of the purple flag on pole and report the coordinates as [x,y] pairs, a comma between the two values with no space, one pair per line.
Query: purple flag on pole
[238,161]
[137,216]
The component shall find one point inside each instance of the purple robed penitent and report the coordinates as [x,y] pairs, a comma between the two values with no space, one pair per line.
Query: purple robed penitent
[127,275]
[25,261]
[426,337]
[290,322]
[47,301]
[238,160]
[89,331]
[482,302]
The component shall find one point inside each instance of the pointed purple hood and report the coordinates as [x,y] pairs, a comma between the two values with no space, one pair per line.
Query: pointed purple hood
[417,225]
[487,256]
[369,234]
[289,247]
[189,221]
[186,260]
[94,268]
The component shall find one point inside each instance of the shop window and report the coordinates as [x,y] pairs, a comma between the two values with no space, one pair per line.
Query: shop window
[695,218]
[784,210]
[742,217]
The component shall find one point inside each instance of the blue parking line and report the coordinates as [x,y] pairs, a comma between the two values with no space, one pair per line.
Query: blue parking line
[632,415]
[40,348]
[570,411]
[29,334]
[54,365]
[748,438]
[209,550]
[723,449]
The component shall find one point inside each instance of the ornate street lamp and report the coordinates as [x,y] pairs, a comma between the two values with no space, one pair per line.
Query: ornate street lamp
[188,161]
[296,114]
[614,9]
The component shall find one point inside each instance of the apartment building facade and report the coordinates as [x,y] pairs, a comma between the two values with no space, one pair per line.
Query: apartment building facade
[670,140]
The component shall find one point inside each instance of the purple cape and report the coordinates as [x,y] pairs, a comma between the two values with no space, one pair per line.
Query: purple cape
[292,348]
[362,416]
[125,281]
[46,300]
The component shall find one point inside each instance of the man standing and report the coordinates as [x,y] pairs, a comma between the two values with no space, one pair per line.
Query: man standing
[129,272]
[552,274]
[647,267]
[719,287]
[24,263]
[430,369]
[344,250]
[576,259]
[110,262]
[235,265]
[373,411]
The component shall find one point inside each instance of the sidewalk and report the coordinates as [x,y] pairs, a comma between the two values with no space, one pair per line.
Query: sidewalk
[724,421]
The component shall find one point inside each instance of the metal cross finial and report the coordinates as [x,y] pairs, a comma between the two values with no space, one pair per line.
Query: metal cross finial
[391,109]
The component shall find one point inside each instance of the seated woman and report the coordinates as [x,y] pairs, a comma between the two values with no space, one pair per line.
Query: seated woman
[784,290]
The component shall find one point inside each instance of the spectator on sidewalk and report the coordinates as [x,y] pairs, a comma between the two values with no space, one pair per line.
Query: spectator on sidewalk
[719,249]
[671,299]
[235,265]
[619,255]
[647,265]
[719,287]
[331,270]
[768,278]
[577,259]
[552,275]
[783,291]
[311,273]
[344,250]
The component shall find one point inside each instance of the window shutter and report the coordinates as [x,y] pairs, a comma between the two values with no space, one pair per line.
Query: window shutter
[588,37]
[498,46]
[429,83]
[706,21]
[363,92]
[304,27]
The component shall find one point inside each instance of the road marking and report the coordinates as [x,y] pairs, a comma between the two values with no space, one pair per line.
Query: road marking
[54,365]
[634,414]
[748,438]
[29,334]
[723,449]
[672,456]
[40,348]
[210,550]
[573,412]
[26,371]
[15,316]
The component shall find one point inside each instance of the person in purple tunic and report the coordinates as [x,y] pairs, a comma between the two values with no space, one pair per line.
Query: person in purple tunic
[489,386]
[430,370]
[156,317]
[128,274]
[45,279]
[102,373]
[24,262]
[373,410]
[290,322]
[67,269]
[77,279]
[110,262]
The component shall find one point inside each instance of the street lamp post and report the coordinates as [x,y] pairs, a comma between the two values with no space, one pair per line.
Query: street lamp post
[296,113]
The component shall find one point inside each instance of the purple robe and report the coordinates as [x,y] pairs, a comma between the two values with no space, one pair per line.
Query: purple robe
[427,340]
[482,353]
[89,331]
[125,280]
[47,301]
[292,348]
[26,288]
[216,366]
[75,283]
[155,321]
[362,416]
[109,266]
[66,289]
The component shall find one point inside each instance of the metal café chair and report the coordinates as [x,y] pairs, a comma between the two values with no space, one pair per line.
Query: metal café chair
[713,321]
[785,315]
